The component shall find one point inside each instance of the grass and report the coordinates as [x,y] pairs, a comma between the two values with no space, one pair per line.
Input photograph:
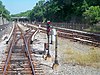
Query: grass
[91,58]
[96,29]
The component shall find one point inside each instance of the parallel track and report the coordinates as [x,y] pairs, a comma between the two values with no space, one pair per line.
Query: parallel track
[76,35]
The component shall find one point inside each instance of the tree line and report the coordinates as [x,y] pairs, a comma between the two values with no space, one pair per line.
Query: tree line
[4,12]
[77,11]
[25,14]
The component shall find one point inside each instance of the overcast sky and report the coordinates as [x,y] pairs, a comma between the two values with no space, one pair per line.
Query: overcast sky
[17,6]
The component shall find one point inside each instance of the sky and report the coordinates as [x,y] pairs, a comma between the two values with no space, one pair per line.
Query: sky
[17,6]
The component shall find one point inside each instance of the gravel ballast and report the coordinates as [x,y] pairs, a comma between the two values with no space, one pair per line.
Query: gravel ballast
[63,68]
[4,34]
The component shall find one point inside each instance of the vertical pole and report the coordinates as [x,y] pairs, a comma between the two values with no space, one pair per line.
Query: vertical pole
[51,34]
[48,53]
[48,33]
[56,61]
[55,64]
[45,48]
[51,38]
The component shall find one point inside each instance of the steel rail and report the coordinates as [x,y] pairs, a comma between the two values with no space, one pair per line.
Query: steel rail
[26,42]
[21,37]
[8,59]
[11,33]
[34,34]
[28,53]
[87,38]
[9,55]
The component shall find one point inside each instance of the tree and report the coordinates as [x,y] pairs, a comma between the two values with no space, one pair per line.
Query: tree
[37,12]
[22,14]
[93,2]
[4,12]
[92,15]
[61,10]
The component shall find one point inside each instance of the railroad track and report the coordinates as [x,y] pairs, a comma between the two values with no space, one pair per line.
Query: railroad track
[76,35]
[80,36]
[19,59]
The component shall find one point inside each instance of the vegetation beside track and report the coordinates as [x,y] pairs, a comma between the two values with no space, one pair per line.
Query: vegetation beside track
[4,12]
[90,58]
[95,29]
[70,11]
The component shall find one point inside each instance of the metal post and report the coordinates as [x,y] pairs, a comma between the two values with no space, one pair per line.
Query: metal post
[51,39]
[48,53]
[45,48]
[48,33]
[55,64]
[51,36]
[56,61]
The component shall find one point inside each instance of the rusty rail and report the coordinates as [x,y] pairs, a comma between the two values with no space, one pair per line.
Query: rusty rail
[13,43]
[27,51]
[9,54]
[76,35]
[11,33]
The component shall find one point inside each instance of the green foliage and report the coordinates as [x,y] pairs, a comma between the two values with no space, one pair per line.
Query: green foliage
[63,11]
[37,12]
[4,12]
[92,14]
[25,14]
[58,10]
